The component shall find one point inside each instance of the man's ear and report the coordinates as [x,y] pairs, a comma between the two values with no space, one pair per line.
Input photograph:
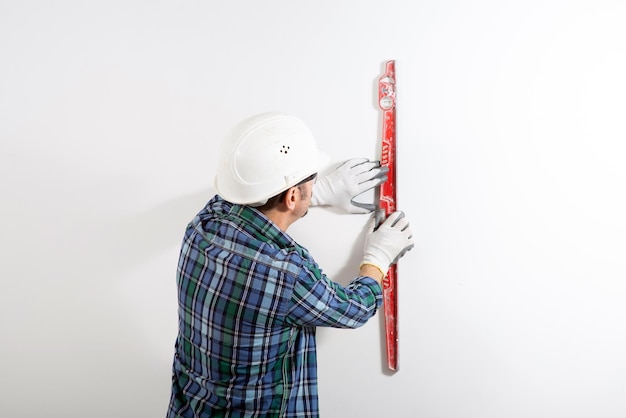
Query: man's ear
[291,198]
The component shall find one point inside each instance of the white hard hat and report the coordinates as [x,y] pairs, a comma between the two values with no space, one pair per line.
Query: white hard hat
[265,155]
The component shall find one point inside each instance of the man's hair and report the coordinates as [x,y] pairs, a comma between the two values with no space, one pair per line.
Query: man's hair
[274,201]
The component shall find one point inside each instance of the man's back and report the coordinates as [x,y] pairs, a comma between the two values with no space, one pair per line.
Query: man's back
[234,349]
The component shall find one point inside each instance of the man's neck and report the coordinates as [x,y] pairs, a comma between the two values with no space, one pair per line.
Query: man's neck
[282,219]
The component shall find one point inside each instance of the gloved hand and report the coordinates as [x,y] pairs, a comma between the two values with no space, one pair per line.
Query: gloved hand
[385,245]
[353,177]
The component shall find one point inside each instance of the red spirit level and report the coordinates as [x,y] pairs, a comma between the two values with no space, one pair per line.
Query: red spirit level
[387,203]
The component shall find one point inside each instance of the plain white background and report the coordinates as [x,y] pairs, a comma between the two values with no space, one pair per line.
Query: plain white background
[511,169]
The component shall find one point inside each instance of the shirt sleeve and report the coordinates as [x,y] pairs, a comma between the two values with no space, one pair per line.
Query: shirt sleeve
[318,301]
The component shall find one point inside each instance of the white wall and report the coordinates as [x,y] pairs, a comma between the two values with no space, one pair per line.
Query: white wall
[512,141]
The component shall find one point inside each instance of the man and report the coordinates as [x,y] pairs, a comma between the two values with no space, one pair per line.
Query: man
[250,297]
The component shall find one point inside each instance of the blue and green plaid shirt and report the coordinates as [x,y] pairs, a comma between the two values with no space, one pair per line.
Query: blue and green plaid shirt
[249,300]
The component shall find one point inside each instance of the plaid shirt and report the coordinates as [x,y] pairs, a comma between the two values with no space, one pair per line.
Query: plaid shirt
[249,300]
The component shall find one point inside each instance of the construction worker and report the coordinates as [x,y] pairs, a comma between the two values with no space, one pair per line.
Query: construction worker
[250,297]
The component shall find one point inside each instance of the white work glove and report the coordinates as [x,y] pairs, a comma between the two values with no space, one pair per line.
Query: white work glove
[353,177]
[387,243]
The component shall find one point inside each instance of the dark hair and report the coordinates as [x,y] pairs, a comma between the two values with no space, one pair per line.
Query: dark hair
[273,201]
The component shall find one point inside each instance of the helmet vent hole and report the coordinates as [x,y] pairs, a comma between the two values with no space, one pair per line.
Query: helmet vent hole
[284,149]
